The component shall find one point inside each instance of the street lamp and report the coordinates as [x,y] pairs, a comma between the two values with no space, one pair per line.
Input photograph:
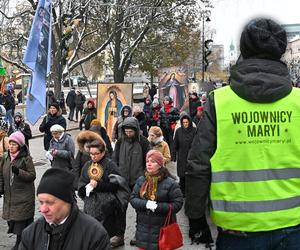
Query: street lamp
[207,19]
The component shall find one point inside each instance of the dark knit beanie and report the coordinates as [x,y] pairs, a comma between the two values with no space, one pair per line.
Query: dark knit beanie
[55,105]
[263,38]
[59,183]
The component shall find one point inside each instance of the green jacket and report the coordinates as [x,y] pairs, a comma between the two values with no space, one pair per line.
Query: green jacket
[18,190]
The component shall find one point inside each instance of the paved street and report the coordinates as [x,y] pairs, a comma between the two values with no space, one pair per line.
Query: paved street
[41,164]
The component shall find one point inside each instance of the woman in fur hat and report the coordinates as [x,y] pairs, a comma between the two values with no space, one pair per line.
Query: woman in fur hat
[151,197]
[96,190]
[84,138]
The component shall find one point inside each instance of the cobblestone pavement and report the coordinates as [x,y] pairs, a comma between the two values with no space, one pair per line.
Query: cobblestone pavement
[41,164]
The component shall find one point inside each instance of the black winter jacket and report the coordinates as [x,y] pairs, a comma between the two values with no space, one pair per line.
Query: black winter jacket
[142,123]
[130,153]
[88,115]
[168,119]
[71,99]
[47,123]
[148,222]
[182,143]
[80,231]
[22,127]
[109,209]
[255,80]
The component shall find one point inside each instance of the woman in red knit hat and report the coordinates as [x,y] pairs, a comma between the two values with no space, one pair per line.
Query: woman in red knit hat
[151,197]
[89,114]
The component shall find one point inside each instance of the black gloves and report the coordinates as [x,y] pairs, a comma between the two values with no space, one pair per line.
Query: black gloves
[199,231]
[15,170]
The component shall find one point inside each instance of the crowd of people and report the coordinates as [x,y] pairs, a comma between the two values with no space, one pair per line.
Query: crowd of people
[106,178]
[251,188]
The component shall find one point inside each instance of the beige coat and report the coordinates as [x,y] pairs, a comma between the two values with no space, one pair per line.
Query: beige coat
[163,147]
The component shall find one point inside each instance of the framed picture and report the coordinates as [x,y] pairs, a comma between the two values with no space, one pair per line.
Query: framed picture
[111,97]
[173,82]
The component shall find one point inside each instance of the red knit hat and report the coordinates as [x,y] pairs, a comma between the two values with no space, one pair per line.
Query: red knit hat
[156,156]
[200,108]
[91,102]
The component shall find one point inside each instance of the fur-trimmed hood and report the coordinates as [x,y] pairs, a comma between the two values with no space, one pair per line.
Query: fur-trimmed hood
[86,136]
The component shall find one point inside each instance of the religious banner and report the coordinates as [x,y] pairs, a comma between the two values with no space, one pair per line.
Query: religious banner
[111,97]
[173,82]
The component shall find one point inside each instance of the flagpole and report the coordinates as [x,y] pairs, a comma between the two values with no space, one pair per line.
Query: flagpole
[57,86]
[47,94]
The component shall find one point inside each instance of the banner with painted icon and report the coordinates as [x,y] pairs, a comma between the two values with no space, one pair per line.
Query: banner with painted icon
[111,97]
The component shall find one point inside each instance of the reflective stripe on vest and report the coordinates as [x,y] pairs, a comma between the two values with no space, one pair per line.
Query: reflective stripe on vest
[256,168]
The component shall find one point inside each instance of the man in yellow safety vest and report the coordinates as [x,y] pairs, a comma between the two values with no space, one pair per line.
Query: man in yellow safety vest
[245,157]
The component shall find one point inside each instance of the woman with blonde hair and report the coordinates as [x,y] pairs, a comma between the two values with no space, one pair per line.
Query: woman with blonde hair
[157,142]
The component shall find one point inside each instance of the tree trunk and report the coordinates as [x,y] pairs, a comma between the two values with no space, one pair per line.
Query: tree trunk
[119,76]
[151,77]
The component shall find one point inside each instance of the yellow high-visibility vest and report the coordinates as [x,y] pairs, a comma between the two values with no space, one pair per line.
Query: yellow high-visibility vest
[256,167]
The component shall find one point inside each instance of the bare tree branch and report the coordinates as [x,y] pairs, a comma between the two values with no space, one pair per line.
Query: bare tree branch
[91,55]
[15,16]
[14,63]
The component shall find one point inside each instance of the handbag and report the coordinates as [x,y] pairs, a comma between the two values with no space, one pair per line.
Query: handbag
[170,236]
[100,205]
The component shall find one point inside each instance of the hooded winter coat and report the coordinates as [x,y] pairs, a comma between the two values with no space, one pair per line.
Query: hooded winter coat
[182,143]
[65,152]
[18,189]
[117,130]
[130,153]
[255,80]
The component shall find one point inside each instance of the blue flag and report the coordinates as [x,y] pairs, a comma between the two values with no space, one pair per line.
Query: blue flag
[38,58]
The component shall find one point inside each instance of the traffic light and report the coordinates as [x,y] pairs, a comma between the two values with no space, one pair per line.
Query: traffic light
[207,52]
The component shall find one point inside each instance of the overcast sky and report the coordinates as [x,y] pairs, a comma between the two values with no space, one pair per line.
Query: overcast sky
[229,16]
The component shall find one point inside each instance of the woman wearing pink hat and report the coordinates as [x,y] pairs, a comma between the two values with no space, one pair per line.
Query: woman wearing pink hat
[151,197]
[17,175]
